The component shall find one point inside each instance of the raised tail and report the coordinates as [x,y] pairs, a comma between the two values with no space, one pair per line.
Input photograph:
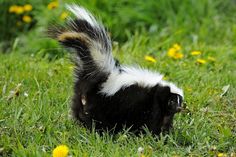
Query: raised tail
[88,38]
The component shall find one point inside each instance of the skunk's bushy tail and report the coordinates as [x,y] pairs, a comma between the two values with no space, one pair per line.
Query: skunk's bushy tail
[88,38]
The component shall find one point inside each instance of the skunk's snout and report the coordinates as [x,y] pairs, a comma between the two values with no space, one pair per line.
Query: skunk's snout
[175,103]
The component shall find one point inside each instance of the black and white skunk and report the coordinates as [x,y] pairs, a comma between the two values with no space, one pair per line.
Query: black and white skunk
[110,95]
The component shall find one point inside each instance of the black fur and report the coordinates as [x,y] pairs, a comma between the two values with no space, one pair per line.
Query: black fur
[132,107]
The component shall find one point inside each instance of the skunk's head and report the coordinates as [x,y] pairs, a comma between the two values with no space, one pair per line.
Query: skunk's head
[169,97]
[174,103]
[168,100]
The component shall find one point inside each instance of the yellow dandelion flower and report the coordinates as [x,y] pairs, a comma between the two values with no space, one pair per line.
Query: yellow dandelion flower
[13,8]
[171,52]
[64,15]
[178,55]
[26,19]
[221,155]
[177,47]
[53,5]
[19,10]
[60,151]
[150,59]
[196,53]
[201,61]
[27,7]
[212,59]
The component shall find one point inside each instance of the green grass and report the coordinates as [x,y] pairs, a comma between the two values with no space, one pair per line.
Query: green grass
[34,125]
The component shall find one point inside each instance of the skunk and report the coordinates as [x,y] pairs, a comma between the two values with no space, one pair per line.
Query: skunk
[108,95]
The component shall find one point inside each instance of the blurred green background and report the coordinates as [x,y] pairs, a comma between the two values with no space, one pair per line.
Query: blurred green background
[213,21]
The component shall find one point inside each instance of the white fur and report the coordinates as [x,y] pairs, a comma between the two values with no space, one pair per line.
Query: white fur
[173,88]
[82,14]
[131,76]
[178,100]
[128,77]
[104,60]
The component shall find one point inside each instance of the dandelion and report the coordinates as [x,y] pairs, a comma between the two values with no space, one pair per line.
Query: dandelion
[221,155]
[196,53]
[177,47]
[13,8]
[27,7]
[64,15]
[150,59]
[53,5]
[212,59]
[26,19]
[178,55]
[19,10]
[16,9]
[201,61]
[60,151]
[173,52]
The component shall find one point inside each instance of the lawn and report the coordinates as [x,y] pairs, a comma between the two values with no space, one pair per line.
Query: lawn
[36,83]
